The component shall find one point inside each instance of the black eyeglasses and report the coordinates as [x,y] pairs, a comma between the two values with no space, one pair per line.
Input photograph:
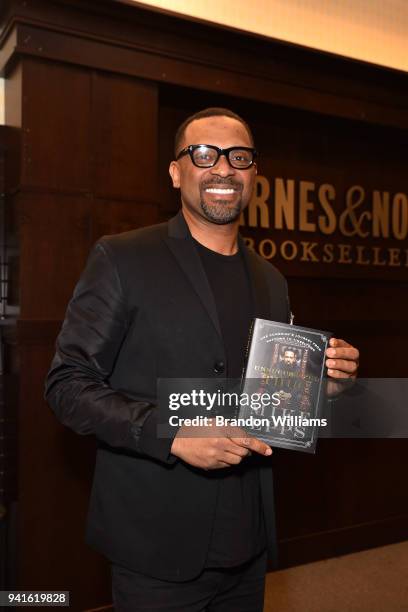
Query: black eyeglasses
[206,156]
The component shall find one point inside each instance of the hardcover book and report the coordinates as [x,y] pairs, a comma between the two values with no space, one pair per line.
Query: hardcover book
[283,382]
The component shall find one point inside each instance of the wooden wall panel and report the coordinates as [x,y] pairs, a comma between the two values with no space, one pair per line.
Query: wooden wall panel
[54,236]
[165,49]
[350,495]
[55,471]
[170,117]
[124,129]
[97,141]
[13,98]
[56,127]
[57,228]
[81,177]
[112,217]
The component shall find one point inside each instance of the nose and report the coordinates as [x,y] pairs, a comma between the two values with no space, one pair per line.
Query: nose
[222,167]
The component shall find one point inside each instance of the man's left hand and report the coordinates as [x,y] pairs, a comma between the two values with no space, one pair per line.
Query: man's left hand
[342,359]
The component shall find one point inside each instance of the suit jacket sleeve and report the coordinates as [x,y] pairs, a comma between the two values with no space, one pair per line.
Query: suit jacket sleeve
[77,385]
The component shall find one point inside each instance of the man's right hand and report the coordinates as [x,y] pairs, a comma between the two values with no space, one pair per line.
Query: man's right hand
[217,450]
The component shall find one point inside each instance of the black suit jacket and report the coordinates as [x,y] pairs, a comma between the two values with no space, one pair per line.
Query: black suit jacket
[143,309]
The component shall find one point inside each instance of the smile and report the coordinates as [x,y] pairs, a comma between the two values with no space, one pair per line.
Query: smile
[220,191]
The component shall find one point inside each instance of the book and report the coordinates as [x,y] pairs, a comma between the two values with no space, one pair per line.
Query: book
[281,387]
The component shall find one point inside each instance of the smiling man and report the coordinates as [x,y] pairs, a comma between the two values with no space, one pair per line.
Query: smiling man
[186,522]
[223,174]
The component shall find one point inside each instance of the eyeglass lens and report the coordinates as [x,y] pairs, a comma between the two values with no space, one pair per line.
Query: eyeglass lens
[205,157]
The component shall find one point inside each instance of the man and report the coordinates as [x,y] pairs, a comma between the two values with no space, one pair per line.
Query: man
[289,357]
[186,521]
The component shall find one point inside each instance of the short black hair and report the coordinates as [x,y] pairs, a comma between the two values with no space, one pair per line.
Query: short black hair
[203,114]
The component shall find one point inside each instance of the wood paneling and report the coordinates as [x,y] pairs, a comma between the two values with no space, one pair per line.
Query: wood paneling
[54,236]
[125,136]
[170,117]
[111,217]
[98,89]
[55,471]
[56,233]
[56,127]
[347,498]
[165,49]
[326,544]
[88,168]
[13,98]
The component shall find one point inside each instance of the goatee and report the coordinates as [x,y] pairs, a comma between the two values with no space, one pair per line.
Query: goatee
[221,212]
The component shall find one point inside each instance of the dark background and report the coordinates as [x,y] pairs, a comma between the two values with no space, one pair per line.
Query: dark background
[94,93]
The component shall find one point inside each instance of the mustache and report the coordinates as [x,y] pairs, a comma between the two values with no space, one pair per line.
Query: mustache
[224,182]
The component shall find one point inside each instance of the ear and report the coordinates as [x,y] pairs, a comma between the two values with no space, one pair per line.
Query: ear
[174,172]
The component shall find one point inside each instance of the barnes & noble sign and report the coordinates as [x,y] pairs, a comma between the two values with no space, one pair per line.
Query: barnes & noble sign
[313,228]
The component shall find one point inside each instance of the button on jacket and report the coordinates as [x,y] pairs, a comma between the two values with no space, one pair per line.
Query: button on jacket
[143,310]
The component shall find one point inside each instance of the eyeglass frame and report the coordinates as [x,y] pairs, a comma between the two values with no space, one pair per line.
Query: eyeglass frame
[191,148]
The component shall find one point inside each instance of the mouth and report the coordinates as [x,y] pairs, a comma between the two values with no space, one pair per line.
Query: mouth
[221,201]
[220,191]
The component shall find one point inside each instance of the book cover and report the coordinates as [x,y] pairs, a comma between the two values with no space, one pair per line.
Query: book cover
[283,382]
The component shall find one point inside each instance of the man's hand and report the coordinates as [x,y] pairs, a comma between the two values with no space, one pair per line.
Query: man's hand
[342,359]
[220,448]
[342,363]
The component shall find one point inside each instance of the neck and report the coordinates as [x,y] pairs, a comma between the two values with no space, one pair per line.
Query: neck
[220,238]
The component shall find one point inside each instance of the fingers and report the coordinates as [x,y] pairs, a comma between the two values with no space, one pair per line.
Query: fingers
[253,444]
[343,353]
[238,450]
[342,365]
[224,453]
[338,342]
[341,348]
[228,445]
[343,359]
[232,455]
[339,374]
[215,453]
[230,458]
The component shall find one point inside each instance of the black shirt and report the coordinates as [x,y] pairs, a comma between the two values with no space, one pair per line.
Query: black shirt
[238,530]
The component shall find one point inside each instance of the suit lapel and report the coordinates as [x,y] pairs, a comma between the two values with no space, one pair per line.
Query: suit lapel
[180,242]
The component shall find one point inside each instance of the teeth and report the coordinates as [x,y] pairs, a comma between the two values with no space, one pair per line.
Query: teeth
[219,191]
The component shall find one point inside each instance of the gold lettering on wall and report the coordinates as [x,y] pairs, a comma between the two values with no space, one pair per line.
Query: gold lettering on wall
[259,205]
[394,257]
[307,251]
[289,250]
[381,213]
[328,253]
[400,216]
[328,223]
[284,204]
[305,206]
[267,249]
[360,261]
[344,257]
[377,260]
